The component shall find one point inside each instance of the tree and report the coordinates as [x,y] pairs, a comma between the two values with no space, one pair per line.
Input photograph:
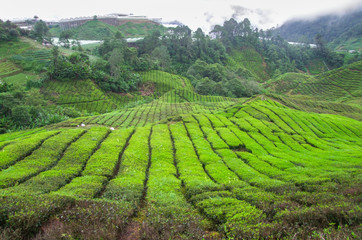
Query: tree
[64,38]
[115,61]
[205,86]
[161,56]
[8,31]
[20,115]
[40,30]
[331,58]
[4,86]
[321,48]
[150,42]
[55,54]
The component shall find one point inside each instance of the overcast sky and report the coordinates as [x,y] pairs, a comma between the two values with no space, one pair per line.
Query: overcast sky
[194,13]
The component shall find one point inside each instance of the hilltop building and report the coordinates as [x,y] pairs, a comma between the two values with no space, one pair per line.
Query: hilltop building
[115,19]
[26,23]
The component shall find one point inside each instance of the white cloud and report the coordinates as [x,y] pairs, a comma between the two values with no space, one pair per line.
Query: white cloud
[194,13]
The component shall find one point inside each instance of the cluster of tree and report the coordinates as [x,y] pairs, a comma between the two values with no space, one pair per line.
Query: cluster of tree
[234,34]
[40,31]
[282,57]
[333,59]
[114,71]
[26,108]
[9,31]
[200,58]
[181,51]
[179,48]
[75,66]
[216,79]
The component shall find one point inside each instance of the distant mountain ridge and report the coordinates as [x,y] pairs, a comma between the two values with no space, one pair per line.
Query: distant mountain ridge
[333,27]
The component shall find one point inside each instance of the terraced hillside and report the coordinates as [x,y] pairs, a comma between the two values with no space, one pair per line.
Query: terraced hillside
[309,104]
[162,94]
[169,105]
[337,85]
[81,94]
[251,62]
[8,68]
[257,170]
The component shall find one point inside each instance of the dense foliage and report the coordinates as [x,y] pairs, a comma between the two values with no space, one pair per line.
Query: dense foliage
[8,31]
[21,108]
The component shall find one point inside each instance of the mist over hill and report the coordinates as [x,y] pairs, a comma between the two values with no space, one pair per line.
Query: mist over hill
[333,27]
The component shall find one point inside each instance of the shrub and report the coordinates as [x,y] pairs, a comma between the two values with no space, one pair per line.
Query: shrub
[88,219]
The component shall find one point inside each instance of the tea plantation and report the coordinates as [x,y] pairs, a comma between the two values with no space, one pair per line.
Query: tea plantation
[255,170]
[165,162]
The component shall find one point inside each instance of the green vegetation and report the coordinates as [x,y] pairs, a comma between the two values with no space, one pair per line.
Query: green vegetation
[252,171]
[22,79]
[84,95]
[338,85]
[44,157]
[166,107]
[158,146]
[251,62]
[8,68]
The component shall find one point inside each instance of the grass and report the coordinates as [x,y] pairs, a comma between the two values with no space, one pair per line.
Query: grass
[21,78]
[8,49]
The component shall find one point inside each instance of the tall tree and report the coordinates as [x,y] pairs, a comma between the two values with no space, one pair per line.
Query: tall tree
[40,30]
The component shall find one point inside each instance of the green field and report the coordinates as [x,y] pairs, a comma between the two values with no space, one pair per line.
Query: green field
[21,78]
[255,170]
[7,49]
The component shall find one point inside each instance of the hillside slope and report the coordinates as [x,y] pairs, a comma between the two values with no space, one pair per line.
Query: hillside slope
[253,171]
[342,84]
[250,63]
